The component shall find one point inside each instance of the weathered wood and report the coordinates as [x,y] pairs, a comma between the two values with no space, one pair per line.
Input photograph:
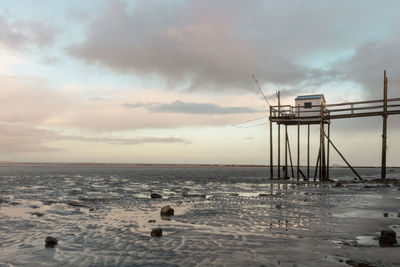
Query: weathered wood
[286,150]
[327,155]
[317,164]
[384,130]
[290,154]
[308,151]
[271,161]
[279,136]
[298,144]
[340,154]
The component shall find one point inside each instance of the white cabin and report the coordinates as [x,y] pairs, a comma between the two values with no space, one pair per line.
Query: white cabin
[309,105]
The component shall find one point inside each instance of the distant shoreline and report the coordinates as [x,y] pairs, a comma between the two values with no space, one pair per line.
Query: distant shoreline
[163,164]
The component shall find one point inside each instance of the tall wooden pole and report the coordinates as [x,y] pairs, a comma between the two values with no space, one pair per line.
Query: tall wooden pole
[322,141]
[384,130]
[327,153]
[279,136]
[286,148]
[308,152]
[298,143]
[271,161]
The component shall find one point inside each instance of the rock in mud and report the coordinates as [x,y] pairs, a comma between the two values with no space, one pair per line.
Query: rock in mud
[51,242]
[278,206]
[34,206]
[386,214]
[156,232]
[167,211]
[155,195]
[151,221]
[360,263]
[75,204]
[387,238]
[39,214]
[338,185]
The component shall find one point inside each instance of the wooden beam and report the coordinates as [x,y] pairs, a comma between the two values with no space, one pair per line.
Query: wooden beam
[298,144]
[286,150]
[271,161]
[327,156]
[340,154]
[384,128]
[308,151]
[290,154]
[279,136]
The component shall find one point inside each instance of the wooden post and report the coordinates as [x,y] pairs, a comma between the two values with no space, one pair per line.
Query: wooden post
[308,152]
[327,155]
[286,148]
[271,161]
[298,142]
[322,140]
[317,164]
[290,154]
[279,136]
[384,130]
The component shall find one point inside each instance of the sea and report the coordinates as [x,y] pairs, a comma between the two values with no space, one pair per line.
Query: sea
[103,215]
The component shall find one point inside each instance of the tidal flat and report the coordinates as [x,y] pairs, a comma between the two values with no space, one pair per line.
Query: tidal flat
[103,215]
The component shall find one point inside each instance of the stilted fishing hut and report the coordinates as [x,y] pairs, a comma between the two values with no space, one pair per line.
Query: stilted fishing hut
[313,110]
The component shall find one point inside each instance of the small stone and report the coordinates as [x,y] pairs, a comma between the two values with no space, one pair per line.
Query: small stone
[278,206]
[338,184]
[51,242]
[386,214]
[34,206]
[155,195]
[387,238]
[151,221]
[156,232]
[39,214]
[167,211]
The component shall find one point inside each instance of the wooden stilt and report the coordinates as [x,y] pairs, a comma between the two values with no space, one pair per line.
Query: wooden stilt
[271,161]
[290,155]
[298,144]
[286,148]
[279,136]
[384,128]
[308,151]
[316,165]
[327,153]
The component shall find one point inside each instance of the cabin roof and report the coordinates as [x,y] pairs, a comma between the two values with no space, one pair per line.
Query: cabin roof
[305,97]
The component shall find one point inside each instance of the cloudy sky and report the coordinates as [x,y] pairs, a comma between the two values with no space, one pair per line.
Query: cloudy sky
[152,81]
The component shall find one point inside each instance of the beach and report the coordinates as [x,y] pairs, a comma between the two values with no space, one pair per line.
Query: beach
[102,215]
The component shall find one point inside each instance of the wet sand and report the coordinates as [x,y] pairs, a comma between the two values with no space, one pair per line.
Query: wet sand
[101,217]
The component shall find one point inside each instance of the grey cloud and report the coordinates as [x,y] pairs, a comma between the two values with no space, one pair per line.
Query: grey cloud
[25,34]
[209,44]
[129,141]
[191,108]
[368,63]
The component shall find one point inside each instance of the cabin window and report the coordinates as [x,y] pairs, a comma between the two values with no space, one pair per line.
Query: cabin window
[307,105]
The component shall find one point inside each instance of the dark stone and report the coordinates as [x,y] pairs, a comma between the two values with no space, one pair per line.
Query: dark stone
[34,206]
[151,221]
[359,263]
[39,214]
[157,232]
[51,242]
[167,211]
[387,238]
[264,195]
[155,195]
[386,214]
[338,184]
[278,206]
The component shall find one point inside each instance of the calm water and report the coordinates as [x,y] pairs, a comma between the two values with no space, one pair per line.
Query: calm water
[100,215]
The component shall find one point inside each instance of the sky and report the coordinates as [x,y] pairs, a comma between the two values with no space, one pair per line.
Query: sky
[157,81]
